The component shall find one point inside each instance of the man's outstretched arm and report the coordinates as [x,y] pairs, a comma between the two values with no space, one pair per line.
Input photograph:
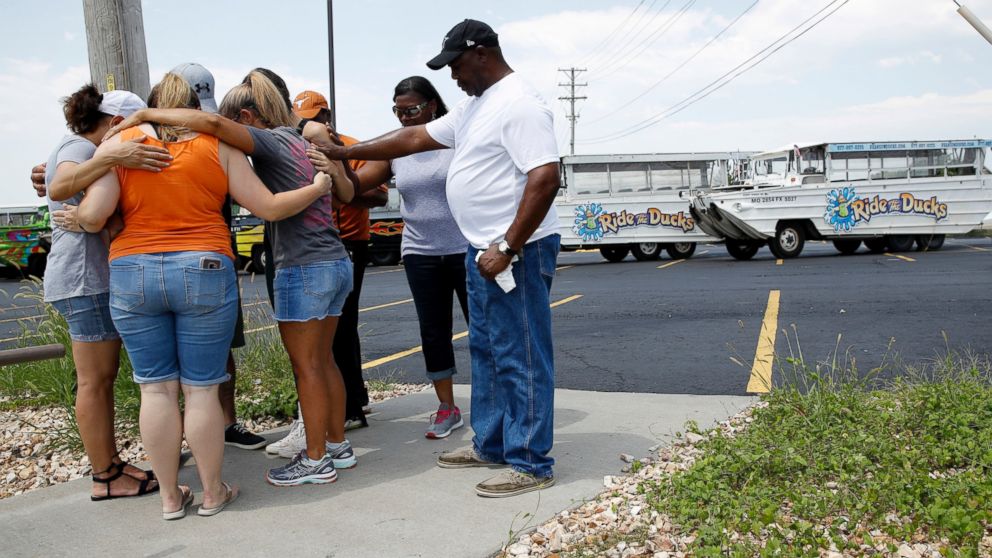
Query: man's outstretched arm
[395,144]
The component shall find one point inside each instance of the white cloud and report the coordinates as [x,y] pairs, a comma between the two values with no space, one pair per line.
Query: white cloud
[819,72]
[69,36]
[32,129]
[878,69]
[923,57]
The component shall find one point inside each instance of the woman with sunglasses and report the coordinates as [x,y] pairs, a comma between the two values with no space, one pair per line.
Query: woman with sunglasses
[433,248]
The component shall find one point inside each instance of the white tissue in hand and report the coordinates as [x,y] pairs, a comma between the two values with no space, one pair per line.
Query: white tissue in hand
[505,278]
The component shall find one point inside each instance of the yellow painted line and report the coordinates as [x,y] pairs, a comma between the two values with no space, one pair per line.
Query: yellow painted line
[980,249]
[387,305]
[455,337]
[22,318]
[586,251]
[779,261]
[28,336]
[904,258]
[564,267]
[764,356]
[565,300]
[670,264]
[380,272]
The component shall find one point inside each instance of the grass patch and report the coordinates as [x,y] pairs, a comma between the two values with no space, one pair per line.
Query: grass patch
[53,382]
[265,385]
[833,458]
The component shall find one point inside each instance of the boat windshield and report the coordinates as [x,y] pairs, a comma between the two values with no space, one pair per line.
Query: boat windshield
[771,166]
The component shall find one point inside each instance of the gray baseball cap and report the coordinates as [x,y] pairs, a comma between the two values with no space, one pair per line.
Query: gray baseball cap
[202,81]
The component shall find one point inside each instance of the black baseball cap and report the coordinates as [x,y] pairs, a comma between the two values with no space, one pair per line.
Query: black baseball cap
[462,37]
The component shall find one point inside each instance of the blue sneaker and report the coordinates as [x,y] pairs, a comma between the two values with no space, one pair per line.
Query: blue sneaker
[303,470]
[341,454]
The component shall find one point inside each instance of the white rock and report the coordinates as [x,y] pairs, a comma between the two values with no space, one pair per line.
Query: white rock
[626,458]
[906,551]
[694,438]
[635,510]
[519,550]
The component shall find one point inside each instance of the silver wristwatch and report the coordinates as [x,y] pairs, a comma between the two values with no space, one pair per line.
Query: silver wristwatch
[504,248]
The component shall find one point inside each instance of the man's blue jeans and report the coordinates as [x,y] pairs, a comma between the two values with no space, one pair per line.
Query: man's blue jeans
[513,371]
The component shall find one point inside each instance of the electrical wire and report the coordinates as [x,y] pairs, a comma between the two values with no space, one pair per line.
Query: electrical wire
[631,36]
[677,68]
[596,49]
[721,81]
[646,43]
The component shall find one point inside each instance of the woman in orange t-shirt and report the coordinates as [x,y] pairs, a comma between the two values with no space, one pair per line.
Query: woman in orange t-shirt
[173,290]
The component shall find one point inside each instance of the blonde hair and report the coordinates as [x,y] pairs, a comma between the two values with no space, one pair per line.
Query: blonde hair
[173,92]
[259,94]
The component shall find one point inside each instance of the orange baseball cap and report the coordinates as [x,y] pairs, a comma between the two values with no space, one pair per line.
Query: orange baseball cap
[309,103]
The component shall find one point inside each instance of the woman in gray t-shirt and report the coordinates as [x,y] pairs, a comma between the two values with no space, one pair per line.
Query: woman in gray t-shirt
[77,285]
[433,247]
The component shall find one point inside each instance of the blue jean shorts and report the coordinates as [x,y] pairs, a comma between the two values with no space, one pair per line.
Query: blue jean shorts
[88,317]
[312,291]
[175,312]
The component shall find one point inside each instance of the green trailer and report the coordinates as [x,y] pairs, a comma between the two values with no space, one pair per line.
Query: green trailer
[25,237]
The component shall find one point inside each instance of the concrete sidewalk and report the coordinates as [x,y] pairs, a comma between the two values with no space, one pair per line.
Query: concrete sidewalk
[396,503]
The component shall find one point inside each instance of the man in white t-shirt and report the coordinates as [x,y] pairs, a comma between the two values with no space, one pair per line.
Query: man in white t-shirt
[501,184]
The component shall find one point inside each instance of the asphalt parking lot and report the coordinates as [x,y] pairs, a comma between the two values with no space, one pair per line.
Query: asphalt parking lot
[702,325]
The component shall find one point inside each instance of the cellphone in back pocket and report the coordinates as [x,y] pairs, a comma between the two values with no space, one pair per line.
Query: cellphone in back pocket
[208,262]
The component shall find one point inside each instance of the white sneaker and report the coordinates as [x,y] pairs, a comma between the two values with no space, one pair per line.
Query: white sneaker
[294,442]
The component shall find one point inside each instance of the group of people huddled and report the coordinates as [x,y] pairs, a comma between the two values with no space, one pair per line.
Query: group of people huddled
[142,253]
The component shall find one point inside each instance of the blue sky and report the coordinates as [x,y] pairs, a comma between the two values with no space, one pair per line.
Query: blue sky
[875,70]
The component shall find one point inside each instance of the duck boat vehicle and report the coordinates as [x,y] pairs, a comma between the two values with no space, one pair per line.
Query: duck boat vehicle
[888,195]
[623,204]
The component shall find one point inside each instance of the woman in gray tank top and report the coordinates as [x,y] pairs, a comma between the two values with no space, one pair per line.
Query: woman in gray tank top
[433,247]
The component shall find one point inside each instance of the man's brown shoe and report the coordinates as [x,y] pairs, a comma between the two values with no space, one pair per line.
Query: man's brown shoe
[512,482]
[464,457]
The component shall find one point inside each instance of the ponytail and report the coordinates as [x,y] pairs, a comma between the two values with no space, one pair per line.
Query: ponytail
[259,94]
[268,100]
[173,92]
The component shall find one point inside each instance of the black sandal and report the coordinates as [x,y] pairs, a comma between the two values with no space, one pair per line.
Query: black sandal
[117,471]
[149,474]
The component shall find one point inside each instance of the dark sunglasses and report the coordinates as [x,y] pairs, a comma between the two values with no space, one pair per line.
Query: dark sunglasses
[411,112]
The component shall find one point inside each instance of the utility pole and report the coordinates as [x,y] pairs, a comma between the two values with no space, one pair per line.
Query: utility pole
[570,73]
[330,62]
[115,38]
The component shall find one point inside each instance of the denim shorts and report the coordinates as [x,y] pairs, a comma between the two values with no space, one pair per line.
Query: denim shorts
[175,313]
[88,317]
[312,291]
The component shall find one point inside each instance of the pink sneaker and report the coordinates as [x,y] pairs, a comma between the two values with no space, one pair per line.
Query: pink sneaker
[446,419]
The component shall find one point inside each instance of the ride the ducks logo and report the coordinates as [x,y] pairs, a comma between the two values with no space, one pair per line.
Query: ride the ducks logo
[592,222]
[845,209]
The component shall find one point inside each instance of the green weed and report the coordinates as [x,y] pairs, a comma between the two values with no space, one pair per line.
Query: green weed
[838,453]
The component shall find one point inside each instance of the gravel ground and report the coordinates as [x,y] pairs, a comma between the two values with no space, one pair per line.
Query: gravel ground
[596,527]
[31,457]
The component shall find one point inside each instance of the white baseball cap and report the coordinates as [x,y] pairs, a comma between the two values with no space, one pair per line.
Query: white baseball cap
[121,103]
[202,81]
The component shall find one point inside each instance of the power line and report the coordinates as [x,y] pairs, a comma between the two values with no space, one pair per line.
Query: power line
[677,68]
[716,84]
[634,32]
[595,50]
[572,117]
[649,40]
